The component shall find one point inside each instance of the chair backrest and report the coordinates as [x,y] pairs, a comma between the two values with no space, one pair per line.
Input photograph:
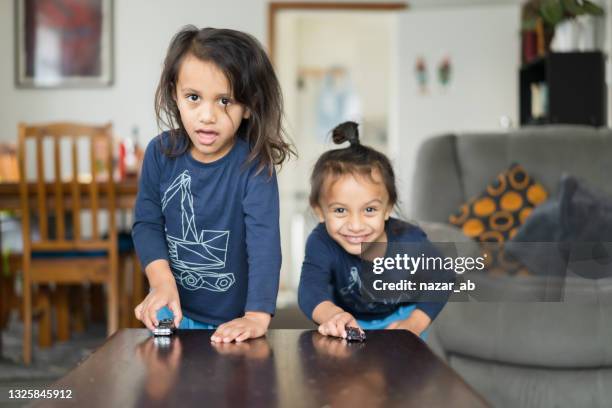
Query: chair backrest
[67,196]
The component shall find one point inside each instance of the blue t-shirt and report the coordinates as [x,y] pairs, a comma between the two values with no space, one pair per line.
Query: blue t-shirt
[217,224]
[330,273]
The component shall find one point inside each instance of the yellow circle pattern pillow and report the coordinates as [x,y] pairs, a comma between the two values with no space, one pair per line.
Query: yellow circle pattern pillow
[496,214]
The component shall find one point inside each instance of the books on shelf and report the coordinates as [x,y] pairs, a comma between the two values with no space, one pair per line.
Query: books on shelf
[539,100]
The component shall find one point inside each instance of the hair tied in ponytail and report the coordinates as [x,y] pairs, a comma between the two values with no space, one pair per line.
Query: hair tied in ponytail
[346,131]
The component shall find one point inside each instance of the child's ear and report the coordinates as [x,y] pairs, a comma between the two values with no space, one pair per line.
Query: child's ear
[247,113]
[319,213]
[388,212]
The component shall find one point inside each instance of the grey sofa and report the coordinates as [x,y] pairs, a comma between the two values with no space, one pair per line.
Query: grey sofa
[521,354]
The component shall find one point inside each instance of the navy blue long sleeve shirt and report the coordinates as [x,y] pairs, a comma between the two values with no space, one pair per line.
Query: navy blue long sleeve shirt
[329,273]
[217,224]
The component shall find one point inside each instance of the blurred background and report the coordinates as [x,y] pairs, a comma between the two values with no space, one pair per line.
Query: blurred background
[408,72]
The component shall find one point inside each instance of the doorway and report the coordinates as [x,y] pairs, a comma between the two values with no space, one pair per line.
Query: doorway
[335,62]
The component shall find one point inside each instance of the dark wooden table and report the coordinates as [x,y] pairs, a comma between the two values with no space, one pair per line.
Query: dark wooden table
[126,191]
[287,368]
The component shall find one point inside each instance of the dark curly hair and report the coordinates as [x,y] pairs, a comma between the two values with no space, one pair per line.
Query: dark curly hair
[354,159]
[253,84]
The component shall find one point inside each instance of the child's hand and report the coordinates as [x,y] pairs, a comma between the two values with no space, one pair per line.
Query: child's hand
[250,326]
[416,323]
[164,294]
[336,325]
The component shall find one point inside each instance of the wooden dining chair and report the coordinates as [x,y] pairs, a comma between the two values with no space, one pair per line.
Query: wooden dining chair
[61,253]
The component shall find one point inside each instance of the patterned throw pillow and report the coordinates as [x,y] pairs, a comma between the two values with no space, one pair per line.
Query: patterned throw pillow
[496,214]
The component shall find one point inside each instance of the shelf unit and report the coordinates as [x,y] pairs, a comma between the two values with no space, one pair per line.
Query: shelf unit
[575,89]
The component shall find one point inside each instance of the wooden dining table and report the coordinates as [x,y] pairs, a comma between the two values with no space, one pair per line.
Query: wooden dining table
[125,191]
[286,368]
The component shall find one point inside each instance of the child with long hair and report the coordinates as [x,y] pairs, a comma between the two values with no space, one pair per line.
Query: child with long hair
[353,194]
[206,220]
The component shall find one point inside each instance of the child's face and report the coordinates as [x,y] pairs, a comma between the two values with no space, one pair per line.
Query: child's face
[208,111]
[354,209]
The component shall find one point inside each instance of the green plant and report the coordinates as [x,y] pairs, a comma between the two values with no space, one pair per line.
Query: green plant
[530,12]
[555,11]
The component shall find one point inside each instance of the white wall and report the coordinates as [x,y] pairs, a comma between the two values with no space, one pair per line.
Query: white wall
[481,38]
[143,29]
[483,44]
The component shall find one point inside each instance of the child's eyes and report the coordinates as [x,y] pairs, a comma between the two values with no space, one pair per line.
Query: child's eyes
[193,98]
[225,101]
[222,101]
[368,210]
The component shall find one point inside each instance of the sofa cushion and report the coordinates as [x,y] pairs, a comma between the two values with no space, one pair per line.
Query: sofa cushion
[437,185]
[569,334]
[546,151]
[508,385]
[496,214]
[580,219]
[443,232]
[452,168]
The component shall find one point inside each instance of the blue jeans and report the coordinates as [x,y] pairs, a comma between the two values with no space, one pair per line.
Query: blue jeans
[401,313]
[186,323]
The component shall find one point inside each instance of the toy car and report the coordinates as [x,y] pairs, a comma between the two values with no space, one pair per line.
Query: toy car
[163,343]
[164,328]
[355,334]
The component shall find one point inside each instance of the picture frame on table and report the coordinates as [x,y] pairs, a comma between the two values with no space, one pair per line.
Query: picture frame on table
[63,43]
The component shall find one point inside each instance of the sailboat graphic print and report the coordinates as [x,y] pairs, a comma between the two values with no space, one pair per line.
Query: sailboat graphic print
[196,256]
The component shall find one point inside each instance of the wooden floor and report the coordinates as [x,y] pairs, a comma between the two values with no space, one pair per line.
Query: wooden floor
[49,363]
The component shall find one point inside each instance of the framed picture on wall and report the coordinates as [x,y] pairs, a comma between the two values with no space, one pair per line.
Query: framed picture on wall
[63,43]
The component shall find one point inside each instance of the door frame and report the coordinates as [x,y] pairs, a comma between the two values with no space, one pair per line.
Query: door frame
[275,7]
[291,277]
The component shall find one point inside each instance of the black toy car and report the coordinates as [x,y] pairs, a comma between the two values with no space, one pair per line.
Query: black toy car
[355,334]
[164,328]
